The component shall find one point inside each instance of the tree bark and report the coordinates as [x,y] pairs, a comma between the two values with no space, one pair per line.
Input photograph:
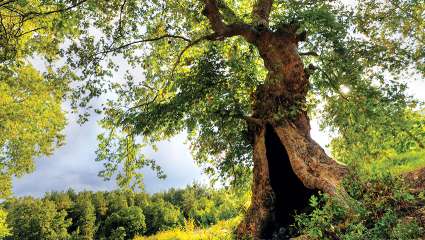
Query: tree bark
[289,166]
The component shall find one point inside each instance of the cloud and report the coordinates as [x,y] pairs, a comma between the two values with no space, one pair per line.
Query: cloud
[73,165]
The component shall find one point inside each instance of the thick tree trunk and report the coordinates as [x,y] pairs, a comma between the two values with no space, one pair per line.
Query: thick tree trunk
[289,166]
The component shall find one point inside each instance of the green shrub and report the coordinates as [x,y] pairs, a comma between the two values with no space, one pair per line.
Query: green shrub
[376,207]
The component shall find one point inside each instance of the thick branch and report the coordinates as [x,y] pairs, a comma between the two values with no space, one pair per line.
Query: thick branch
[222,30]
[255,121]
[310,53]
[212,12]
[261,12]
[229,15]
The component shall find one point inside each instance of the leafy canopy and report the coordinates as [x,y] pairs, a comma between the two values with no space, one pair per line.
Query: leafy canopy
[166,74]
[31,118]
[179,81]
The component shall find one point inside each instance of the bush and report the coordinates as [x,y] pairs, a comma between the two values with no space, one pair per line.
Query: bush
[378,207]
[4,230]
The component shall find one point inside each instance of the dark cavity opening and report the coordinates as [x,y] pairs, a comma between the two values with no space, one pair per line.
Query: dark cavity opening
[290,193]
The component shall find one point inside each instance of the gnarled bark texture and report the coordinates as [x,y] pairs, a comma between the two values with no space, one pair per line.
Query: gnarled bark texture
[289,166]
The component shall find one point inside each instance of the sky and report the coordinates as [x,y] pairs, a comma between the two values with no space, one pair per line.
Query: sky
[73,165]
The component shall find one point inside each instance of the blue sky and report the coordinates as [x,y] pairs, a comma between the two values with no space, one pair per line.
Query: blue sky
[73,165]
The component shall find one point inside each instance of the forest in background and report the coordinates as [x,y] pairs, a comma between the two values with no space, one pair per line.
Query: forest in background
[119,214]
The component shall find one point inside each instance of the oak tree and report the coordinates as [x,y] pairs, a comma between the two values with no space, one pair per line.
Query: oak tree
[242,79]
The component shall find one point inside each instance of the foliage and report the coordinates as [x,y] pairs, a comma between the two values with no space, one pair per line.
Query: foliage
[119,214]
[4,229]
[204,87]
[378,207]
[181,79]
[398,164]
[205,206]
[35,27]
[35,219]
[130,221]
[161,215]
[389,136]
[83,212]
[401,32]
[31,119]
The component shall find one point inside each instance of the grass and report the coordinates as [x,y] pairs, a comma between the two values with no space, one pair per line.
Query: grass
[398,164]
[223,230]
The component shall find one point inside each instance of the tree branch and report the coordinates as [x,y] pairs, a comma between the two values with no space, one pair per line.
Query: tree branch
[212,12]
[191,44]
[261,12]
[32,14]
[222,30]
[255,121]
[120,28]
[30,31]
[6,2]
[145,40]
[228,14]
[61,9]
[310,53]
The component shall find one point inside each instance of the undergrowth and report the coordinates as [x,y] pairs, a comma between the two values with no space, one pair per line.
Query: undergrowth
[375,208]
[399,163]
[223,230]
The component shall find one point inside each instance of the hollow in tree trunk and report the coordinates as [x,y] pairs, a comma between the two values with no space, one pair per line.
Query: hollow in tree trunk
[289,166]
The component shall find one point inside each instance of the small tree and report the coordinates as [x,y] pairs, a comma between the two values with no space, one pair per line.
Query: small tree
[84,217]
[161,215]
[32,219]
[127,222]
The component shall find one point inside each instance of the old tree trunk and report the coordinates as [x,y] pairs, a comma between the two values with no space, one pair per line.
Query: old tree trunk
[289,166]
